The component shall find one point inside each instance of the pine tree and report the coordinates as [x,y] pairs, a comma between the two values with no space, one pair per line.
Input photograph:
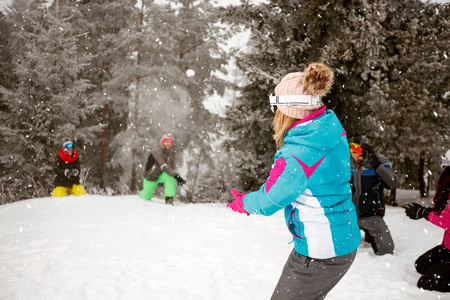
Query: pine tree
[18,5]
[285,37]
[99,26]
[48,105]
[165,44]
[142,74]
[196,37]
[7,79]
[364,42]
[408,116]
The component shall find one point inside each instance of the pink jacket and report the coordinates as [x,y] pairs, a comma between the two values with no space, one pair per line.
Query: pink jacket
[442,220]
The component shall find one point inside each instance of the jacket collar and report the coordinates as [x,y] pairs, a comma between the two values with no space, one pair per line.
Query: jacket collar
[310,117]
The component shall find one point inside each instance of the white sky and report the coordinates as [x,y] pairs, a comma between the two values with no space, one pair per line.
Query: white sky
[3,3]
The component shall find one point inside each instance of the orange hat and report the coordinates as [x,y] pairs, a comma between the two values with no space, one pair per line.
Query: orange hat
[356,148]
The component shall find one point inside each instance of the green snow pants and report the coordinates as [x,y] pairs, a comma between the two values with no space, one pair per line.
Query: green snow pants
[170,189]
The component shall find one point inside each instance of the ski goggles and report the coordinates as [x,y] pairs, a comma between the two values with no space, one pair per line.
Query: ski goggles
[445,162]
[68,145]
[355,148]
[294,100]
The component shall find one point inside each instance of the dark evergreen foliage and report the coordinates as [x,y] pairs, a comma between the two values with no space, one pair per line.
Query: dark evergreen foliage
[99,27]
[407,99]
[114,76]
[369,45]
[136,87]
[48,105]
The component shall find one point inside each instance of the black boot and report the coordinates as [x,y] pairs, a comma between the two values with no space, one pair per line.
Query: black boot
[169,200]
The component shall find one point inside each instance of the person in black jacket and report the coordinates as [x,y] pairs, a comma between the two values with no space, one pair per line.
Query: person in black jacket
[371,173]
[67,170]
[157,170]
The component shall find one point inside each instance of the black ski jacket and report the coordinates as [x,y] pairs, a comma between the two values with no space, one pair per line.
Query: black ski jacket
[59,168]
[368,185]
[159,160]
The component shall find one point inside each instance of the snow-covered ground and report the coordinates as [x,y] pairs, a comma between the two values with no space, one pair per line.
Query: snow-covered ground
[121,247]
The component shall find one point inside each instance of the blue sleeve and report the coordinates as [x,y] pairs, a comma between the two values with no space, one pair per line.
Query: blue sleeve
[286,182]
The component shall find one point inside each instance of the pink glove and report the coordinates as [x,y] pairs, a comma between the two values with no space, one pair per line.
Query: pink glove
[237,204]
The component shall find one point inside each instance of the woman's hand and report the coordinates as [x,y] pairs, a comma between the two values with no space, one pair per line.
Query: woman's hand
[237,205]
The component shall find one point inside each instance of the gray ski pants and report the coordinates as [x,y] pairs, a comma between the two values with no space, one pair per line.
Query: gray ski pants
[377,234]
[308,278]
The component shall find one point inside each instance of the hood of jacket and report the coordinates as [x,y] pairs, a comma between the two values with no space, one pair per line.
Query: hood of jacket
[361,140]
[322,133]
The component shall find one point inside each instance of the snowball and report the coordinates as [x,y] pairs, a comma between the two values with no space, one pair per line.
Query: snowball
[190,73]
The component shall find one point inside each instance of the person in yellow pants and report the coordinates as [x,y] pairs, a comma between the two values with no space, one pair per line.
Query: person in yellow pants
[67,171]
[157,170]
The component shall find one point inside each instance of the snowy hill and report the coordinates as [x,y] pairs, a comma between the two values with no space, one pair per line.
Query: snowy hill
[121,247]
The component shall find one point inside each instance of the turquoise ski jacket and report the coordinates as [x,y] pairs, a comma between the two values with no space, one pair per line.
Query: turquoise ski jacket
[310,180]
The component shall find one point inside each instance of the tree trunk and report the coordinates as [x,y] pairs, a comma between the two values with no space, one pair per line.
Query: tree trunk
[104,130]
[392,197]
[135,129]
[395,163]
[399,130]
[427,190]
[421,175]
[136,112]
[133,170]
[103,147]
[196,173]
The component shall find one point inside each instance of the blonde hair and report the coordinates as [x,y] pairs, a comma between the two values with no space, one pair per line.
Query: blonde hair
[281,123]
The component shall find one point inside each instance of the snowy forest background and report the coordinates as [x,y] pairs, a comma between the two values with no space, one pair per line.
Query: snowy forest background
[114,75]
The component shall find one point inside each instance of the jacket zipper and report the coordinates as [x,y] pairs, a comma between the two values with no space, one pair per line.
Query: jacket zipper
[292,215]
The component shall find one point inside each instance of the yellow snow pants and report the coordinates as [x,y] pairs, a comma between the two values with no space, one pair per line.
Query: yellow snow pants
[61,191]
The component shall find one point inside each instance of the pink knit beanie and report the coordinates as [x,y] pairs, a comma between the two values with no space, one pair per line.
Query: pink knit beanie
[315,80]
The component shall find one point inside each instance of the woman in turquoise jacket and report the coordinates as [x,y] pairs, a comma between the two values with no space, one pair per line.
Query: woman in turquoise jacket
[310,180]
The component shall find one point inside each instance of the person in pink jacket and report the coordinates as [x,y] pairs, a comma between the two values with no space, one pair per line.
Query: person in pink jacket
[434,265]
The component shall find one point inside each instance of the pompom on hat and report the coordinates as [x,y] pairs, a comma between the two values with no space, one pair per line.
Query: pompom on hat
[316,81]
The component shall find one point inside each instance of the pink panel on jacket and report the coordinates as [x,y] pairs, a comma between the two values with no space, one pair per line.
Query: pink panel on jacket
[276,172]
[309,170]
[442,220]
[310,117]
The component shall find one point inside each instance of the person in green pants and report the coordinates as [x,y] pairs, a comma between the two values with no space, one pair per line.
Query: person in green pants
[157,170]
